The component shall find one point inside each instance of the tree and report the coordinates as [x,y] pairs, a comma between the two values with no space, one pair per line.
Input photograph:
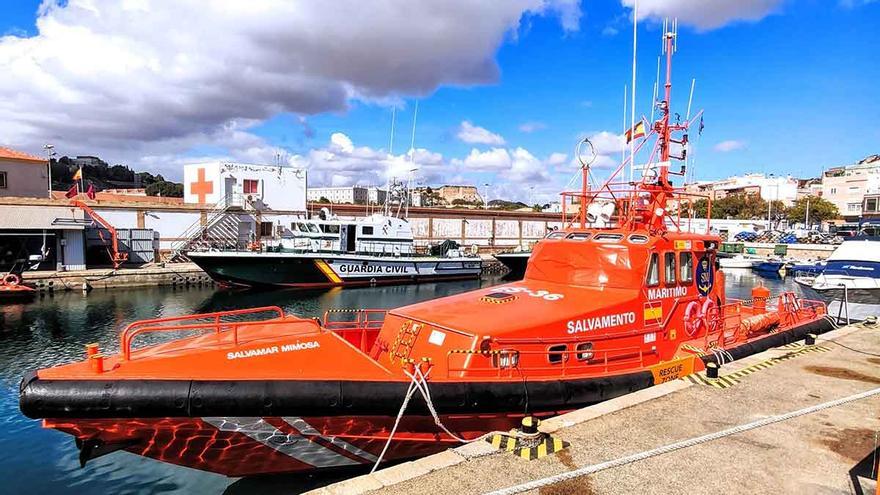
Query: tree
[323,199]
[820,210]
[165,189]
[740,207]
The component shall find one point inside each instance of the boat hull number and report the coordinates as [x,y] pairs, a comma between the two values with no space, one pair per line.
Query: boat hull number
[543,294]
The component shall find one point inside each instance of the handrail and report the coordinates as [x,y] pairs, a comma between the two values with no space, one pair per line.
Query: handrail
[127,336]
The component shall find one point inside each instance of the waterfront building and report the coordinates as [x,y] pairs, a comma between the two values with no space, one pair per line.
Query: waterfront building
[769,188]
[847,186]
[354,195]
[234,184]
[22,175]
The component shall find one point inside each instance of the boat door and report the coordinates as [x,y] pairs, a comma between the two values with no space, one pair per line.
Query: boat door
[349,237]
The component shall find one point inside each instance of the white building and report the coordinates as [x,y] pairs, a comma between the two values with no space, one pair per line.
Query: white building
[376,196]
[270,186]
[847,186]
[341,195]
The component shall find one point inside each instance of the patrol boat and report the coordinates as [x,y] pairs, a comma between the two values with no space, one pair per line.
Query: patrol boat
[329,252]
[607,306]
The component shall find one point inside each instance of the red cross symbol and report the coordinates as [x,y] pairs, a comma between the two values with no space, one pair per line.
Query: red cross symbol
[201,187]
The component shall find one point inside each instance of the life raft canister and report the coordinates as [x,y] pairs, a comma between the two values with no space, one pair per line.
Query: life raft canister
[760,294]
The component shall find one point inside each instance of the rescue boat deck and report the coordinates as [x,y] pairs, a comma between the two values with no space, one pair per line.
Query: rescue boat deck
[830,451]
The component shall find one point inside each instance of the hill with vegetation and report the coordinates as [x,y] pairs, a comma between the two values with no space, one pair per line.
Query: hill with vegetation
[103,176]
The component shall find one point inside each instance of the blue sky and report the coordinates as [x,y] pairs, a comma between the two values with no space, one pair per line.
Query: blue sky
[790,93]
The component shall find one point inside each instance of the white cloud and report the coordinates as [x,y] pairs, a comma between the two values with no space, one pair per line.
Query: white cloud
[495,159]
[703,16]
[153,78]
[556,159]
[729,145]
[529,127]
[605,143]
[474,134]
[609,31]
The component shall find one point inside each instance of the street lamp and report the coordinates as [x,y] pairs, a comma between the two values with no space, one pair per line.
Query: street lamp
[486,198]
[50,152]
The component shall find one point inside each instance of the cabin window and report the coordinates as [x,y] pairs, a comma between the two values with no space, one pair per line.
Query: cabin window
[330,229]
[265,229]
[608,237]
[250,186]
[579,236]
[584,351]
[556,353]
[654,270]
[505,359]
[687,267]
[313,228]
[669,268]
[367,230]
[555,235]
[638,239]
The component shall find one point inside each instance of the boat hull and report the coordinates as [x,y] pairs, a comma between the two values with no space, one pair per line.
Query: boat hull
[311,270]
[241,428]
[515,262]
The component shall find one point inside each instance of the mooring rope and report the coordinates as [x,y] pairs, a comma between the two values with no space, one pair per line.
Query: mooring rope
[550,480]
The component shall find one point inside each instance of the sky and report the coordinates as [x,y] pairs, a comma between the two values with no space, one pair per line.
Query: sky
[500,92]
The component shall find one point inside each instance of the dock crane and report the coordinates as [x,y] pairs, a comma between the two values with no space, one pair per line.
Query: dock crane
[116,256]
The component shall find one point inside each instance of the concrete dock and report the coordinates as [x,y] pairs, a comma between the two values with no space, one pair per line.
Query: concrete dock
[827,452]
[173,274]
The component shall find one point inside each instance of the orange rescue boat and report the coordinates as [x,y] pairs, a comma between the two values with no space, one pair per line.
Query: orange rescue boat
[623,297]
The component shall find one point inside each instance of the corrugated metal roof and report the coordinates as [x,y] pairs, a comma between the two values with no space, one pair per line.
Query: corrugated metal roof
[46,217]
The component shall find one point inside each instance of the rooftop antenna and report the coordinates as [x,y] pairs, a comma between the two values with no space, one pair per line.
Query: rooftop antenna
[632,118]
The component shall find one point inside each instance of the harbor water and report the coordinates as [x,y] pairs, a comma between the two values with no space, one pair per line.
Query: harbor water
[54,329]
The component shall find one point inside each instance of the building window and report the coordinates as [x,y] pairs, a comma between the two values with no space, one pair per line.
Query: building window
[833,190]
[854,207]
[265,229]
[251,186]
[871,204]
[669,266]
[367,231]
[686,267]
[2,180]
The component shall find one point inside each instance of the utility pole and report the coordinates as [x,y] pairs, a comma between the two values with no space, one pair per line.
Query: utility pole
[50,152]
[486,199]
[807,221]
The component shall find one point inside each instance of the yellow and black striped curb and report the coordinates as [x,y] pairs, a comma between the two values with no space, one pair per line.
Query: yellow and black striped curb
[547,446]
[732,379]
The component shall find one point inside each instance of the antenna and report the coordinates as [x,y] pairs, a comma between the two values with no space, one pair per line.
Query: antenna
[412,144]
[690,100]
[623,150]
[656,88]
[391,144]
[632,118]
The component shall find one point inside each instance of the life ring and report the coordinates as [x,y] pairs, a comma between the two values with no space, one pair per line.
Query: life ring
[710,322]
[693,319]
[11,279]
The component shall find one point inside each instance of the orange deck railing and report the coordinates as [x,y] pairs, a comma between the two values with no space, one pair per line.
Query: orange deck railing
[215,322]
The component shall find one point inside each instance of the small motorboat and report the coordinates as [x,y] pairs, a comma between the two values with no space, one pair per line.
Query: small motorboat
[771,266]
[740,261]
[609,304]
[12,288]
[852,272]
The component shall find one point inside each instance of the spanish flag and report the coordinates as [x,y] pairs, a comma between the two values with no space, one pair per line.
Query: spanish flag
[78,175]
[636,132]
